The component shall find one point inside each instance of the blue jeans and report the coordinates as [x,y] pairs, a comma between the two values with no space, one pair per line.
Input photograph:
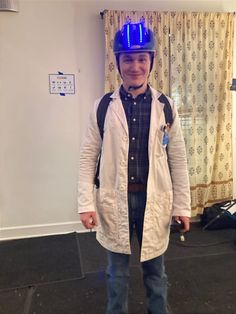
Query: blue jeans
[154,276]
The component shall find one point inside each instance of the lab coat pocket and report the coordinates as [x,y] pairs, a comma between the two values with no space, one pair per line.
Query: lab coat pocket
[162,212]
[107,213]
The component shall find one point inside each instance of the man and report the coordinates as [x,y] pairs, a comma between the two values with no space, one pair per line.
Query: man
[143,174]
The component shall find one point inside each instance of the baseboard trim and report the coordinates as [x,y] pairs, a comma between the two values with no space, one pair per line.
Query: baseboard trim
[20,232]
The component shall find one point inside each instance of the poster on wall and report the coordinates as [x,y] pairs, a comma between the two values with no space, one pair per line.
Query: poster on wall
[62,84]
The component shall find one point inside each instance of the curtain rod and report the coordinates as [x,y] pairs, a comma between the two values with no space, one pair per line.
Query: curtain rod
[102,13]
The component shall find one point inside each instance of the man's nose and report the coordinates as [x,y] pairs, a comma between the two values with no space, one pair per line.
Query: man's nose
[135,65]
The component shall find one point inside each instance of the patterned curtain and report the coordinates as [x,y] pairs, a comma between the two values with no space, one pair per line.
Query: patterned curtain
[194,66]
[201,47]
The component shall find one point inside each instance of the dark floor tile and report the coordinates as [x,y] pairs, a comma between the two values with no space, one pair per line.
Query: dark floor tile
[36,260]
[93,255]
[201,273]
[85,296]
[12,301]
[203,285]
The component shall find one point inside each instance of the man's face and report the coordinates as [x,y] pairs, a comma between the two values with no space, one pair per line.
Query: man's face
[135,68]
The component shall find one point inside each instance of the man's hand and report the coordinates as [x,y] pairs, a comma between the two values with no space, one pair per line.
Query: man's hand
[186,222]
[89,219]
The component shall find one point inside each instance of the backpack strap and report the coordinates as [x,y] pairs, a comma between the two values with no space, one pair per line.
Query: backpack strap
[102,110]
[101,115]
[167,109]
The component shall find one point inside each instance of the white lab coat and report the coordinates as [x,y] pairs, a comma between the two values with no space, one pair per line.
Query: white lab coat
[168,192]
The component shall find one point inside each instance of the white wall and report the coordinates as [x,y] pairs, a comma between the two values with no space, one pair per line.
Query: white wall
[40,133]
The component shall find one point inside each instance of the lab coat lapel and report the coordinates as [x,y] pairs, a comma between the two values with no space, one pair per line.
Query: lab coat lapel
[156,114]
[118,110]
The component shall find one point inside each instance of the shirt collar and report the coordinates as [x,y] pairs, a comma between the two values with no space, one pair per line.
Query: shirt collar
[124,94]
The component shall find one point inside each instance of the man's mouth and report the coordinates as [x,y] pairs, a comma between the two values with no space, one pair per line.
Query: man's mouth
[135,76]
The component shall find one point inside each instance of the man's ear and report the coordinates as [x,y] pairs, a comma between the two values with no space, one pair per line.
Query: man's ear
[118,63]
